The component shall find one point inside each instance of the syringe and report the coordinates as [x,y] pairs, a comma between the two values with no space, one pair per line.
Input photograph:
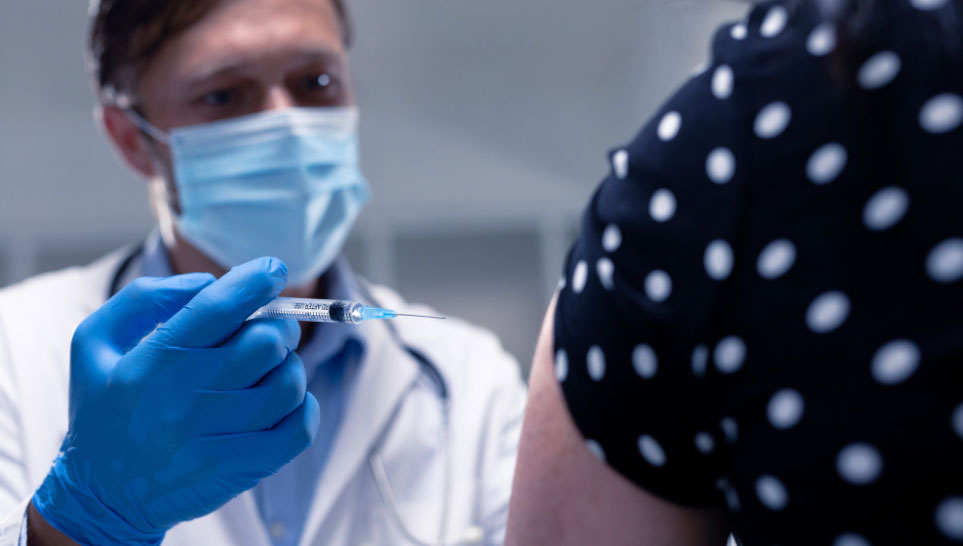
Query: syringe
[312,310]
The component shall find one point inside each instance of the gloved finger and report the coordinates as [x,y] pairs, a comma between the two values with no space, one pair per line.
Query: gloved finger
[258,347]
[258,408]
[136,310]
[221,308]
[263,453]
[163,371]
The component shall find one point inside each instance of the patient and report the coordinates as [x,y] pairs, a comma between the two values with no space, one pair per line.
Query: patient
[760,328]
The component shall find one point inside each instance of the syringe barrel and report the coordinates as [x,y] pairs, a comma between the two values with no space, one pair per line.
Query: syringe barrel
[311,310]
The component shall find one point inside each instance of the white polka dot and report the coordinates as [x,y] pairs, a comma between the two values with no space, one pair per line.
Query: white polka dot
[729,354]
[927,5]
[561,365]
[774,22]
[720,165]
[772,120]
[772,493]
[949,518]
[732,498]
[700,358]
[669,126]
[827,312]
[785,409]
[958,420]
[895,362]
[826,163]
[879,70]
[722,82]
[595,449]
[730,429]
[885,208]
[645,361]
[776,259]
[662,205]
[658,286]
[620,163]
[832,10]
[704,443]
[822,40]
[595,361]
[738,31]
[579,276]
[718,259]
[859,464]
[651,450]
[942,113]
[604,267]
[611,238]
[945,262]
[850,539]
[562,284]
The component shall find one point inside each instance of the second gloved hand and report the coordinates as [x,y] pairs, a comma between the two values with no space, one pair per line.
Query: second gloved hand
[168,428]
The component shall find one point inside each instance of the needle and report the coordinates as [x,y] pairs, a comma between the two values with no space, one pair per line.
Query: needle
[420,316]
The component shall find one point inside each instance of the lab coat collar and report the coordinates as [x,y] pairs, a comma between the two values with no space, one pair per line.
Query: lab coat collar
[387,373]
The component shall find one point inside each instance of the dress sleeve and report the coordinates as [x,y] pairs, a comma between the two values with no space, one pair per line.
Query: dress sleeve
[649,269]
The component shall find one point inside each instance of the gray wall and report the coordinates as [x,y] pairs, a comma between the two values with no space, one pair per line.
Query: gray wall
[485,127]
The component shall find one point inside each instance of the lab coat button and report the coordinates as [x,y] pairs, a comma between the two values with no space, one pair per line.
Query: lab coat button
[278,530]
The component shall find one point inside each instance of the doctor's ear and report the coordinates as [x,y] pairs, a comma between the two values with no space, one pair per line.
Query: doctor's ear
[127,140]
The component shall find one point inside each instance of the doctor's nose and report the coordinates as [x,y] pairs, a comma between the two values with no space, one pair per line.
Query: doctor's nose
[277,98]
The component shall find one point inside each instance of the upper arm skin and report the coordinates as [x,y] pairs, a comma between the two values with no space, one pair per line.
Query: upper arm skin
[563,495]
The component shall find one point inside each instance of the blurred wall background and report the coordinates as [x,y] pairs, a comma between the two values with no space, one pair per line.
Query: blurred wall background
[485,128]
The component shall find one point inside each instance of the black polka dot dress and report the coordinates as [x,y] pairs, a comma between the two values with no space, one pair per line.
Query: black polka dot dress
[764,308]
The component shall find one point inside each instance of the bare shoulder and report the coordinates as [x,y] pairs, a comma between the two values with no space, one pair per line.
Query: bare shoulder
[564,493]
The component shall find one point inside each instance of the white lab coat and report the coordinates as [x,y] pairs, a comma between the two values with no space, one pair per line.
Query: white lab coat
[37,320]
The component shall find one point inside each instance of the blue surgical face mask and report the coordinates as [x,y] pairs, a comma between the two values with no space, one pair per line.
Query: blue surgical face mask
[283,183]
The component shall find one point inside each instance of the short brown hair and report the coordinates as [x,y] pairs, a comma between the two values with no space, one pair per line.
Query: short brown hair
[126,34]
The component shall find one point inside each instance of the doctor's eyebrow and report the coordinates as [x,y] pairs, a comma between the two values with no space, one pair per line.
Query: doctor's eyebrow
[236,66]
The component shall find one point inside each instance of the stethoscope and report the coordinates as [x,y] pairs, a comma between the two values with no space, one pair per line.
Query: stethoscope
[474,534]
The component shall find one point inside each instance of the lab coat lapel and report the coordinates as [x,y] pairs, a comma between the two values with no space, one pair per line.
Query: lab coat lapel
[387,372]
[243,523]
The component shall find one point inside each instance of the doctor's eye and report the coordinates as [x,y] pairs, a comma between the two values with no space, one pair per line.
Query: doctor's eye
[318,88]
[318,82]
[220,97]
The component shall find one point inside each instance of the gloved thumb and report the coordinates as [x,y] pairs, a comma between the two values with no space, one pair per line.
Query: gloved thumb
[146,302]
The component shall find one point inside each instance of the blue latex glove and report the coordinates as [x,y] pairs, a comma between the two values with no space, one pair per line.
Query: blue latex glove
[168,428]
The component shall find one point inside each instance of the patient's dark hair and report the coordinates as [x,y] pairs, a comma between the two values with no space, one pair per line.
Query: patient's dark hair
[862,25]
[126,34]
[865,27]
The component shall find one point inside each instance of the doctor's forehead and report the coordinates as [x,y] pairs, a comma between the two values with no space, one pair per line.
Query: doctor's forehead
[236,32]
[128,36]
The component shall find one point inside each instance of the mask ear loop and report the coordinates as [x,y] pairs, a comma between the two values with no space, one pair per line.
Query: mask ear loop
[160,197]
[122,101]
[145,126]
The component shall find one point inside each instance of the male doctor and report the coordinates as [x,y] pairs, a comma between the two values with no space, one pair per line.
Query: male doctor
[138,406]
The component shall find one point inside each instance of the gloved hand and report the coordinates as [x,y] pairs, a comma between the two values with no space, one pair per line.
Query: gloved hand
[169,427]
